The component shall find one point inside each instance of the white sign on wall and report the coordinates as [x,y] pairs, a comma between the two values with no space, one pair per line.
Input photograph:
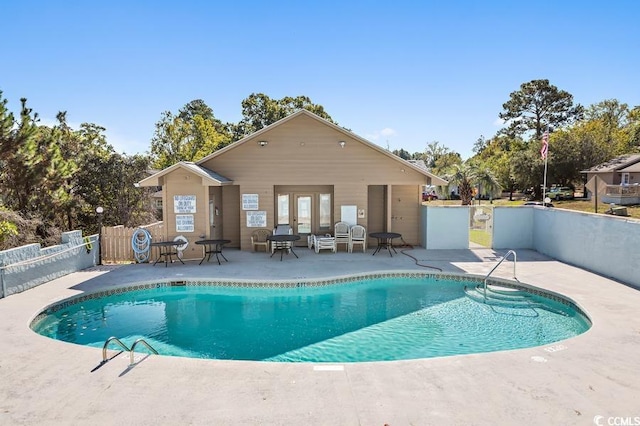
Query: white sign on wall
[184,203]
[184,223]
[349,214]
[257,219]
[249,201]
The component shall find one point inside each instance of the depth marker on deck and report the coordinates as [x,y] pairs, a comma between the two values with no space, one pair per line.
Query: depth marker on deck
[328,368]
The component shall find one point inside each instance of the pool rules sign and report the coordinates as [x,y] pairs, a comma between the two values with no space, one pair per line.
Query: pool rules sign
[183,205]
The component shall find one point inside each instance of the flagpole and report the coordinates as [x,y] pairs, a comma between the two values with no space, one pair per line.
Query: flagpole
[545,154]
[544,182]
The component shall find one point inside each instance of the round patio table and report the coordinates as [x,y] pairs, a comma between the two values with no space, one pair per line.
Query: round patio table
[385,240]
[167,249]
[282,247]
[212,247]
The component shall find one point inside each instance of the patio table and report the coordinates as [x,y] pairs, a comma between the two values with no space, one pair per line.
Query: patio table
[212,247]
[283,239]
[166,249]
[385,240]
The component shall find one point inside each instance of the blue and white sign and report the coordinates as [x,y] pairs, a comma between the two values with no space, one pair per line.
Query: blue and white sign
[184,223]
[250,201]
[184,203]
[257,219]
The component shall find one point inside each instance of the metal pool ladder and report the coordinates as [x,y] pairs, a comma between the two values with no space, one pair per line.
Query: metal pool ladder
[144,342]
[515,258]
[123,346]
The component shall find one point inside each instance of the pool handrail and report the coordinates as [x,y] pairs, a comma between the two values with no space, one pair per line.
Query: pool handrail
[123,346]
[515,259]
[144,342]
[106,343]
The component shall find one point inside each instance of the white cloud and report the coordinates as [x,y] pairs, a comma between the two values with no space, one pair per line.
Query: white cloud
[123,144]
[387,131]
[372,136]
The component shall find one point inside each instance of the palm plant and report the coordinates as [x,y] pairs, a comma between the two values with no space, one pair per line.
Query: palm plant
[466,176]
[487,181]
[463,175]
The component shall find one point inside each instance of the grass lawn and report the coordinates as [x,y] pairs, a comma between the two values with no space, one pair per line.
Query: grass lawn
[480,237]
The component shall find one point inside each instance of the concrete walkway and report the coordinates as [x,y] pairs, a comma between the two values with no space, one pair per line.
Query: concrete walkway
[571,382]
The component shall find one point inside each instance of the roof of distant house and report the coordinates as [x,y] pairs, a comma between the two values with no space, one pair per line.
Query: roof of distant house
[634,168]
[615,164]
[419,163]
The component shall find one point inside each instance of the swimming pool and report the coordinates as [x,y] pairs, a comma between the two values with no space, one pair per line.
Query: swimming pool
[376,317]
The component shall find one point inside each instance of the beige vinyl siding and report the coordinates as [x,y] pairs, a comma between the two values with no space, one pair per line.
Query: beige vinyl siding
[265,203]
[376,217]
[350,194]
[306,152]
[405,213]
[231,215]
[181,182]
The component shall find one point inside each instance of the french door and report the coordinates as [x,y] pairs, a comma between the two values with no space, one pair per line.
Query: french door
[307,213]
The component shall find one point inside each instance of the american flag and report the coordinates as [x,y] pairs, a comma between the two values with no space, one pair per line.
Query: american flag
[545,145]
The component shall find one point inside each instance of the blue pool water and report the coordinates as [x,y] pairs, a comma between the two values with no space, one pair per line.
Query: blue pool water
[368,320]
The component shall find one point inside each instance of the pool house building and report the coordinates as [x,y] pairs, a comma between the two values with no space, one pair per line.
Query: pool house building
[303,171]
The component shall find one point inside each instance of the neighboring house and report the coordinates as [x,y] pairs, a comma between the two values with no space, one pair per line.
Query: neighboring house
[616,181]
[419,163]
[156,200]
[303,171]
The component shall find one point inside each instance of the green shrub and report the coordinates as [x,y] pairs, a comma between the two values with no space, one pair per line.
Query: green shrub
[7,229]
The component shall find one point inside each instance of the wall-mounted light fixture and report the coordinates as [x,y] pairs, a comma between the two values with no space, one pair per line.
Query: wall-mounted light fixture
[263,143]
[342,144]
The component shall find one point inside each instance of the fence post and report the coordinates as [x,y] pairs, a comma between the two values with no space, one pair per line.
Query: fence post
[2,283]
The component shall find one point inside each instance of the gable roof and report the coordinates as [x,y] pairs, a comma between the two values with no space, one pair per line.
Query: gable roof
[209,177]
[419,163]
[435,180]
[634,168]
[615,164]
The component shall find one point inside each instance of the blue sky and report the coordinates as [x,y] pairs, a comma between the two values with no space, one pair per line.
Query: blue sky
[401,74]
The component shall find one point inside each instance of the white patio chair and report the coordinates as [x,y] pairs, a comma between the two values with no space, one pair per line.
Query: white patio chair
[358,235]
[324,243]
[341,233]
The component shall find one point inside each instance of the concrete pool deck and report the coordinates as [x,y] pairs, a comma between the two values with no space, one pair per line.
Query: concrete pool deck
[571,382]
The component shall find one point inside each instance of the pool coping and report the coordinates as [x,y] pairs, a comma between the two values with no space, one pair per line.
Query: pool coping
[567,383]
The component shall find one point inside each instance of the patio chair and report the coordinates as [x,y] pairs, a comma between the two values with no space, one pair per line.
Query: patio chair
[341,234]
[357,235]
[326,242]
[259,239]
[281,230]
